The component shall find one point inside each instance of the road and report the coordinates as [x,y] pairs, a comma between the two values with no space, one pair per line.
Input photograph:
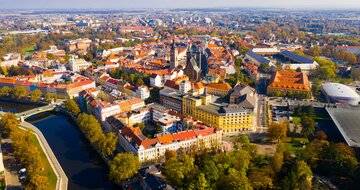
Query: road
[261,105]
[62,182]
[11,167]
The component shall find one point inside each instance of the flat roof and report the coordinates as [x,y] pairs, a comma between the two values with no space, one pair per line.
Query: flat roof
[347,121]
[258,57]
[339,90]
[295,57]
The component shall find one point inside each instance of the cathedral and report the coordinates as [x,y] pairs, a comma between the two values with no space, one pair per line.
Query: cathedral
[194,62]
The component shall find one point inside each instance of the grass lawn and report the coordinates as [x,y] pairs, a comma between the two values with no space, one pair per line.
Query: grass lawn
[48,171]
[29,50]
[295,145]
[231,138]
[296,120]
[2,183]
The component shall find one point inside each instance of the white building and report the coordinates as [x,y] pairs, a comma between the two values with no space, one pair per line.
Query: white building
[156,80]
[139,116]
[184,87]
[105,109]
[142,92]
[170,124]
[339,93]
[78,64]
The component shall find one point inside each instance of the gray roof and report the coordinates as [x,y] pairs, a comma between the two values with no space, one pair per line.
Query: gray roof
[258,57]
[247,101]
[347,121]
[295,57]
[194,64]
[242,90]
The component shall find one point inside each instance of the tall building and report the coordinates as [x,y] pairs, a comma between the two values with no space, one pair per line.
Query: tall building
[193,63]
[174,52]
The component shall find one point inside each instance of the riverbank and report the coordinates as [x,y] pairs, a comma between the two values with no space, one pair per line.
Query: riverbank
[73,119]
[21,101]
[82,164]
[62,180]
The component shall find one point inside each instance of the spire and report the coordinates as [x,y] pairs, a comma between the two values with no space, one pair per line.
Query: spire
[173,41]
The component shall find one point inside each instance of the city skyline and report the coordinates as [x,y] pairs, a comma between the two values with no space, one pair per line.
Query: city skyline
[115,4]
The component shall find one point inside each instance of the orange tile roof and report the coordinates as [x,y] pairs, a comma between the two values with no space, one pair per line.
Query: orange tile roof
[165,139]
[288,80]
[222,86]
[199,85]
[7,80]
[186,135]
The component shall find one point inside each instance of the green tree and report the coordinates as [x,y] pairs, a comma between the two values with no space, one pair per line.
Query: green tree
[234,180]
[159,129]
[123,166]
[108,145]
[9,122]
[212,173]
[277,131]
[50,96]
[19,92]
[72,107]
[91,128]
[169,154]
[178,169]
[264,67]
[243,139]
[50,56]
[37,181]
[277,162]
[139,82]
[201,183]
[5,91]
[89,56]
[303,175]
[289,182]
[259,179]
[35,95]
[308,125]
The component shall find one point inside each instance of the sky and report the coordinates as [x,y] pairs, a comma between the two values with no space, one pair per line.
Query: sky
[118,4]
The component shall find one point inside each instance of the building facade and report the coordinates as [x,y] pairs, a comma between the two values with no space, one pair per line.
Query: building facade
[230,118]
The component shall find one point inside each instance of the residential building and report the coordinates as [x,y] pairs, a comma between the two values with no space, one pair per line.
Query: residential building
[156,80]
[219,89]
[151,150]
[142,92]
[77,65]
[171,99]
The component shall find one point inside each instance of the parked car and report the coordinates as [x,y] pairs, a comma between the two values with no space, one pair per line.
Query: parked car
[22,170]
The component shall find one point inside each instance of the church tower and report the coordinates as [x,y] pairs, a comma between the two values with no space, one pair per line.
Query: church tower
[174,52]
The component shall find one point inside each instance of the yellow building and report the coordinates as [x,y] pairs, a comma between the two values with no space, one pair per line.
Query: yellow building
[228,117]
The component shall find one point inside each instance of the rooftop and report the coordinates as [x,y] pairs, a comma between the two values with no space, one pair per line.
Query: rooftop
[295,57]
[258,57]
[339,90]
[347,121]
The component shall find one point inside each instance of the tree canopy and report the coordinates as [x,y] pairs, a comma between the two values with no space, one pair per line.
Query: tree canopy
[123,166]
[72,106]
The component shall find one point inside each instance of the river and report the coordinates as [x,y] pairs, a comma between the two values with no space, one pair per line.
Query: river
[80,162]
[15,107]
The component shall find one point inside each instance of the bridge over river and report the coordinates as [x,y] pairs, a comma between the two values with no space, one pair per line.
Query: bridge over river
[45,108]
